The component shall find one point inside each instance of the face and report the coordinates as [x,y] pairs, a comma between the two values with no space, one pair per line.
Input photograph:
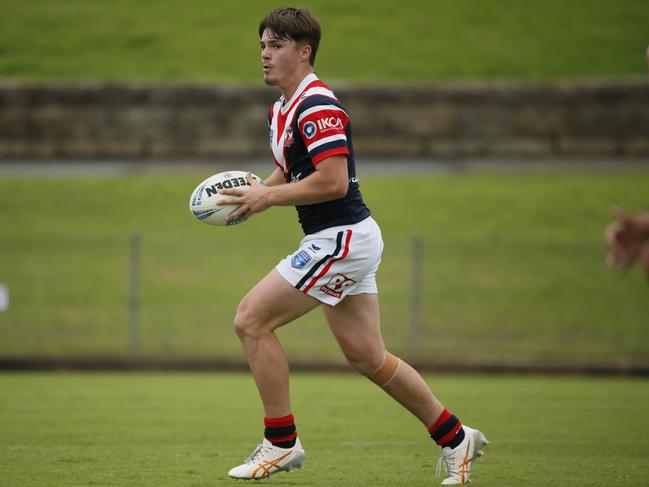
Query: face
[281,59]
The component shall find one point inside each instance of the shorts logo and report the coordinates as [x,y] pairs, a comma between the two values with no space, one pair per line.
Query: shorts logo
[336,285]
[300,259]
[310,130]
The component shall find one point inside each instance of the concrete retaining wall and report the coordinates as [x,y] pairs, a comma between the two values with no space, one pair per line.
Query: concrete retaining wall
[593,119]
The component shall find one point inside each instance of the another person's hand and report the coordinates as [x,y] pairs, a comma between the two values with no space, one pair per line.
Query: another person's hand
[627,237]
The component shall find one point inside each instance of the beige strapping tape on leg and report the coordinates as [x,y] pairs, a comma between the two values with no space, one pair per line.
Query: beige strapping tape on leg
[387,370]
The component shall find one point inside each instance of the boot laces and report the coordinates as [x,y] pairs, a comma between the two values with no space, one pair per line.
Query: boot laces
[451,460]
[442,460]
[259,452]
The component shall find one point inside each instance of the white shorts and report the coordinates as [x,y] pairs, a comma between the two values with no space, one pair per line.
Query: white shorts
[335,262]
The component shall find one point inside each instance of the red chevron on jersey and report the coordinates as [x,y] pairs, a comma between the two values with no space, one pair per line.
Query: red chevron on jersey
[282,114]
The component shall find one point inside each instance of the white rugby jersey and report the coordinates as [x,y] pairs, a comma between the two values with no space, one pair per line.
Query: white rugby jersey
[304,131]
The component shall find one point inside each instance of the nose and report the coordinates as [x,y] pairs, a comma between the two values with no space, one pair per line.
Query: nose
[265,53]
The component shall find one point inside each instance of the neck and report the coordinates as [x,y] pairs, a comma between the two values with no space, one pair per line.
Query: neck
[288,90]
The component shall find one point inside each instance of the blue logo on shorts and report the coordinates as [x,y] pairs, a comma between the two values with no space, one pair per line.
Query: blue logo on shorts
[300,259]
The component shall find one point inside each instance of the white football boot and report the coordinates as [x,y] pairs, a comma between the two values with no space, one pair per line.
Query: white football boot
[268,459]
[457,461]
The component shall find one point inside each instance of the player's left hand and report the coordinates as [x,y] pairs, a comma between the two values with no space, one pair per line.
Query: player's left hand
[252,200]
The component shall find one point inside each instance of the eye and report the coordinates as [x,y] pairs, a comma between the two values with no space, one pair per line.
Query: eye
[272,45]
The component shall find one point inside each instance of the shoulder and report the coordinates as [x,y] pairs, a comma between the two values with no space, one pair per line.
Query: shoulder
[320,99]
[318,93]
[320,103]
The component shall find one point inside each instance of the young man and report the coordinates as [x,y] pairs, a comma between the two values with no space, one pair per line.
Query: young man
[335,264]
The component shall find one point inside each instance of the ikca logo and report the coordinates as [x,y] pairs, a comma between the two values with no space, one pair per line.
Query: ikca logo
[310,130]
[330,123]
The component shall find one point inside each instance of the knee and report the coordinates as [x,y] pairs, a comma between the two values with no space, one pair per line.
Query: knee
[247,324]
[364,361]
[380,368]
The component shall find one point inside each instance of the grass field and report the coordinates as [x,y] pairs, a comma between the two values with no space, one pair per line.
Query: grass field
[513,267]
[382,41]
[143,430]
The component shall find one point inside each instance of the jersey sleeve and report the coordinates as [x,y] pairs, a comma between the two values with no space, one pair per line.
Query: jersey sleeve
[323,127]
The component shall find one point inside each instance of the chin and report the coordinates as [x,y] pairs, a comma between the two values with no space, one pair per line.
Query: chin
[270,81]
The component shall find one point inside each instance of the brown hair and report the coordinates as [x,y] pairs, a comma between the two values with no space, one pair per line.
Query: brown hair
[297,24]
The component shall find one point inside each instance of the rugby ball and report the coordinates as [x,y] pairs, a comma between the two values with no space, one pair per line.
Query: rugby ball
[202,202]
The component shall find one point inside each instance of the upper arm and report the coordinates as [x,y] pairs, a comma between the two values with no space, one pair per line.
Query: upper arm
[323,127]
[334,174]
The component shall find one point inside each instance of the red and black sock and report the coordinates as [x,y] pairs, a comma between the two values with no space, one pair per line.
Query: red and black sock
[447,430]
[281,432]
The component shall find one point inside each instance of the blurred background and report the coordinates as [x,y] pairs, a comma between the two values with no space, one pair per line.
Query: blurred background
[492,141]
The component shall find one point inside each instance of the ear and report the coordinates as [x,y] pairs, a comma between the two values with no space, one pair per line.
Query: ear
[305,52]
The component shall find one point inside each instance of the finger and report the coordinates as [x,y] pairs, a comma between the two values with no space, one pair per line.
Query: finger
[629,257]
[242,217]
[250,179]
[611,233]
[616,250]
[238,213]
[625,222]
[231,192]
[229,202]
[619,215]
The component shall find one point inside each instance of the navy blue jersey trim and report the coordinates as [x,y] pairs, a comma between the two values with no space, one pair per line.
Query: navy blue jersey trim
[318,100]
[334,144]
[316,266]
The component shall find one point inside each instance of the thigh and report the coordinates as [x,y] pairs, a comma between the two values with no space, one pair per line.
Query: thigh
[273,302]
[355,323]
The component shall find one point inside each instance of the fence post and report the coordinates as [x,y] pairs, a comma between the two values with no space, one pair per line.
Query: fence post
[134,295]
[416,293]
[4,297]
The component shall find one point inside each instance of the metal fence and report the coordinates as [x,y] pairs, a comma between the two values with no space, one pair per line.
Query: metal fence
[440,300]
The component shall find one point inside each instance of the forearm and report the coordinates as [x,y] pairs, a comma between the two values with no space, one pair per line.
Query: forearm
[276,178]
[313,189]
[328,182]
